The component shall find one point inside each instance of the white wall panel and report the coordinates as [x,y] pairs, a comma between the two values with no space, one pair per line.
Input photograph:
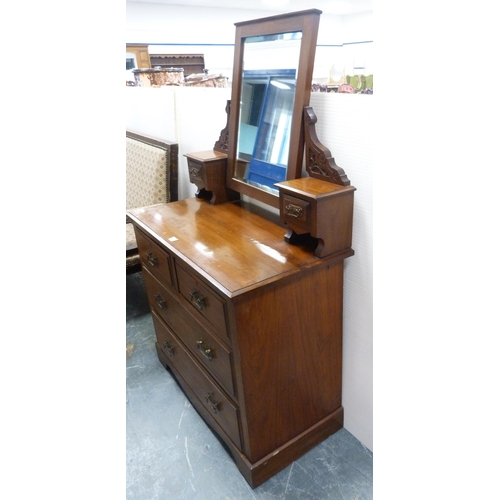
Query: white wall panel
[151,112]
[156,23]
[192,117]
[201,115]
[345,127]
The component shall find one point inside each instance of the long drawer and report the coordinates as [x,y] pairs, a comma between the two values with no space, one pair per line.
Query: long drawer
[206,347]
[219,406]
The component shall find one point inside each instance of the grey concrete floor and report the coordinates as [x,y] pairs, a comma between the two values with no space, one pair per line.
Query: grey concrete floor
[172,454]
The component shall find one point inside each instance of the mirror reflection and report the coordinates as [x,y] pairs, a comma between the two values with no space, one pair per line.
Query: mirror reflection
[266,107]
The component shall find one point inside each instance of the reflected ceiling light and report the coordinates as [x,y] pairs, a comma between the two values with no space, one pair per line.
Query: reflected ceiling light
[280,85]
[270,252]
[203,249]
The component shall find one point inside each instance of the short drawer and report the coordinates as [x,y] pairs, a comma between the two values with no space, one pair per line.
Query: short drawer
[296,212]
[204,346]
[196,173]
[155,259]
[202,299]
[217,404]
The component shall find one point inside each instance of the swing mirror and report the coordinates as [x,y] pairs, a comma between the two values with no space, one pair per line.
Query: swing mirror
[273,64]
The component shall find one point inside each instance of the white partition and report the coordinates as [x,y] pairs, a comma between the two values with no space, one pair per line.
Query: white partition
[345,127]
[192,117]
[201,115]
[151,111]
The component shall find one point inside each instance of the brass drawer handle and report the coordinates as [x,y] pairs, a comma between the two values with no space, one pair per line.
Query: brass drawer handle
[160,301]
[198,300]
[168,346]
[206,351]
[294,210]
[211,401]
[195,172]
[152,259]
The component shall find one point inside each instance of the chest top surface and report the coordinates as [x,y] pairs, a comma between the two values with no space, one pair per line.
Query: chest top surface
[232,244]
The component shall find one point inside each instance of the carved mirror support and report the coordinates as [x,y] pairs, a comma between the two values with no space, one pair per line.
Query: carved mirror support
[222,143]
[319,161]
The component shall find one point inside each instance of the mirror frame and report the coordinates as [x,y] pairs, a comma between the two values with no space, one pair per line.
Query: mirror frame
[306,21]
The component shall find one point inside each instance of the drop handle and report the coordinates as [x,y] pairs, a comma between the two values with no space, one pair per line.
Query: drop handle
[294,210]
[197,299]
[195,172]
[211,401]
[168,346]
[205,350]
[152,259]
[160,301]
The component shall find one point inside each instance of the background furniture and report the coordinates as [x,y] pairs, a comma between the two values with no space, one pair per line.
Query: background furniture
[360,82]
[141,54]
[151,178]
[192,63]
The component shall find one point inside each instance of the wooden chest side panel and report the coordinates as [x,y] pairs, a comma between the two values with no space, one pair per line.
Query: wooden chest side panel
[289,345]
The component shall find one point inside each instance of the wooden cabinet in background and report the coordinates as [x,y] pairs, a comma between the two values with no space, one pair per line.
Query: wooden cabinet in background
[191,63]
[141,55]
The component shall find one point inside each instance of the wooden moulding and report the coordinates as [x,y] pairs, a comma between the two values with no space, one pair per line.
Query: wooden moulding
[264,469]
[259,472]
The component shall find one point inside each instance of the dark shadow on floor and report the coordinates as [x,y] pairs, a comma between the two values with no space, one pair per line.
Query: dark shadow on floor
[137,299]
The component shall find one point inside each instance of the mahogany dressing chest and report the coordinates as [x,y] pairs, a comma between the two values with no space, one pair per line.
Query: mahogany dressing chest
[247,303]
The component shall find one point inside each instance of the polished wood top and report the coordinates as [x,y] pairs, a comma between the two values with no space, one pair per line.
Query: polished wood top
[233,245]
[312,187]
[205,156]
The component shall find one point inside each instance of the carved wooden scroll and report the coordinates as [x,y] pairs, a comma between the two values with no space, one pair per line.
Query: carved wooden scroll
[319,161]
[221,144]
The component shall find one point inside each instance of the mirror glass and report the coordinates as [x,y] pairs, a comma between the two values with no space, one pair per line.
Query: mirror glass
[269,77]
[272,75]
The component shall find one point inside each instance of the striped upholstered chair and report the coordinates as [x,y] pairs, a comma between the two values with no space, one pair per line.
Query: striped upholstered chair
[152,178]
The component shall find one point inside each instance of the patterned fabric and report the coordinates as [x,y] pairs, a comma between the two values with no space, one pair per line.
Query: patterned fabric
[151,178]
[146,174]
